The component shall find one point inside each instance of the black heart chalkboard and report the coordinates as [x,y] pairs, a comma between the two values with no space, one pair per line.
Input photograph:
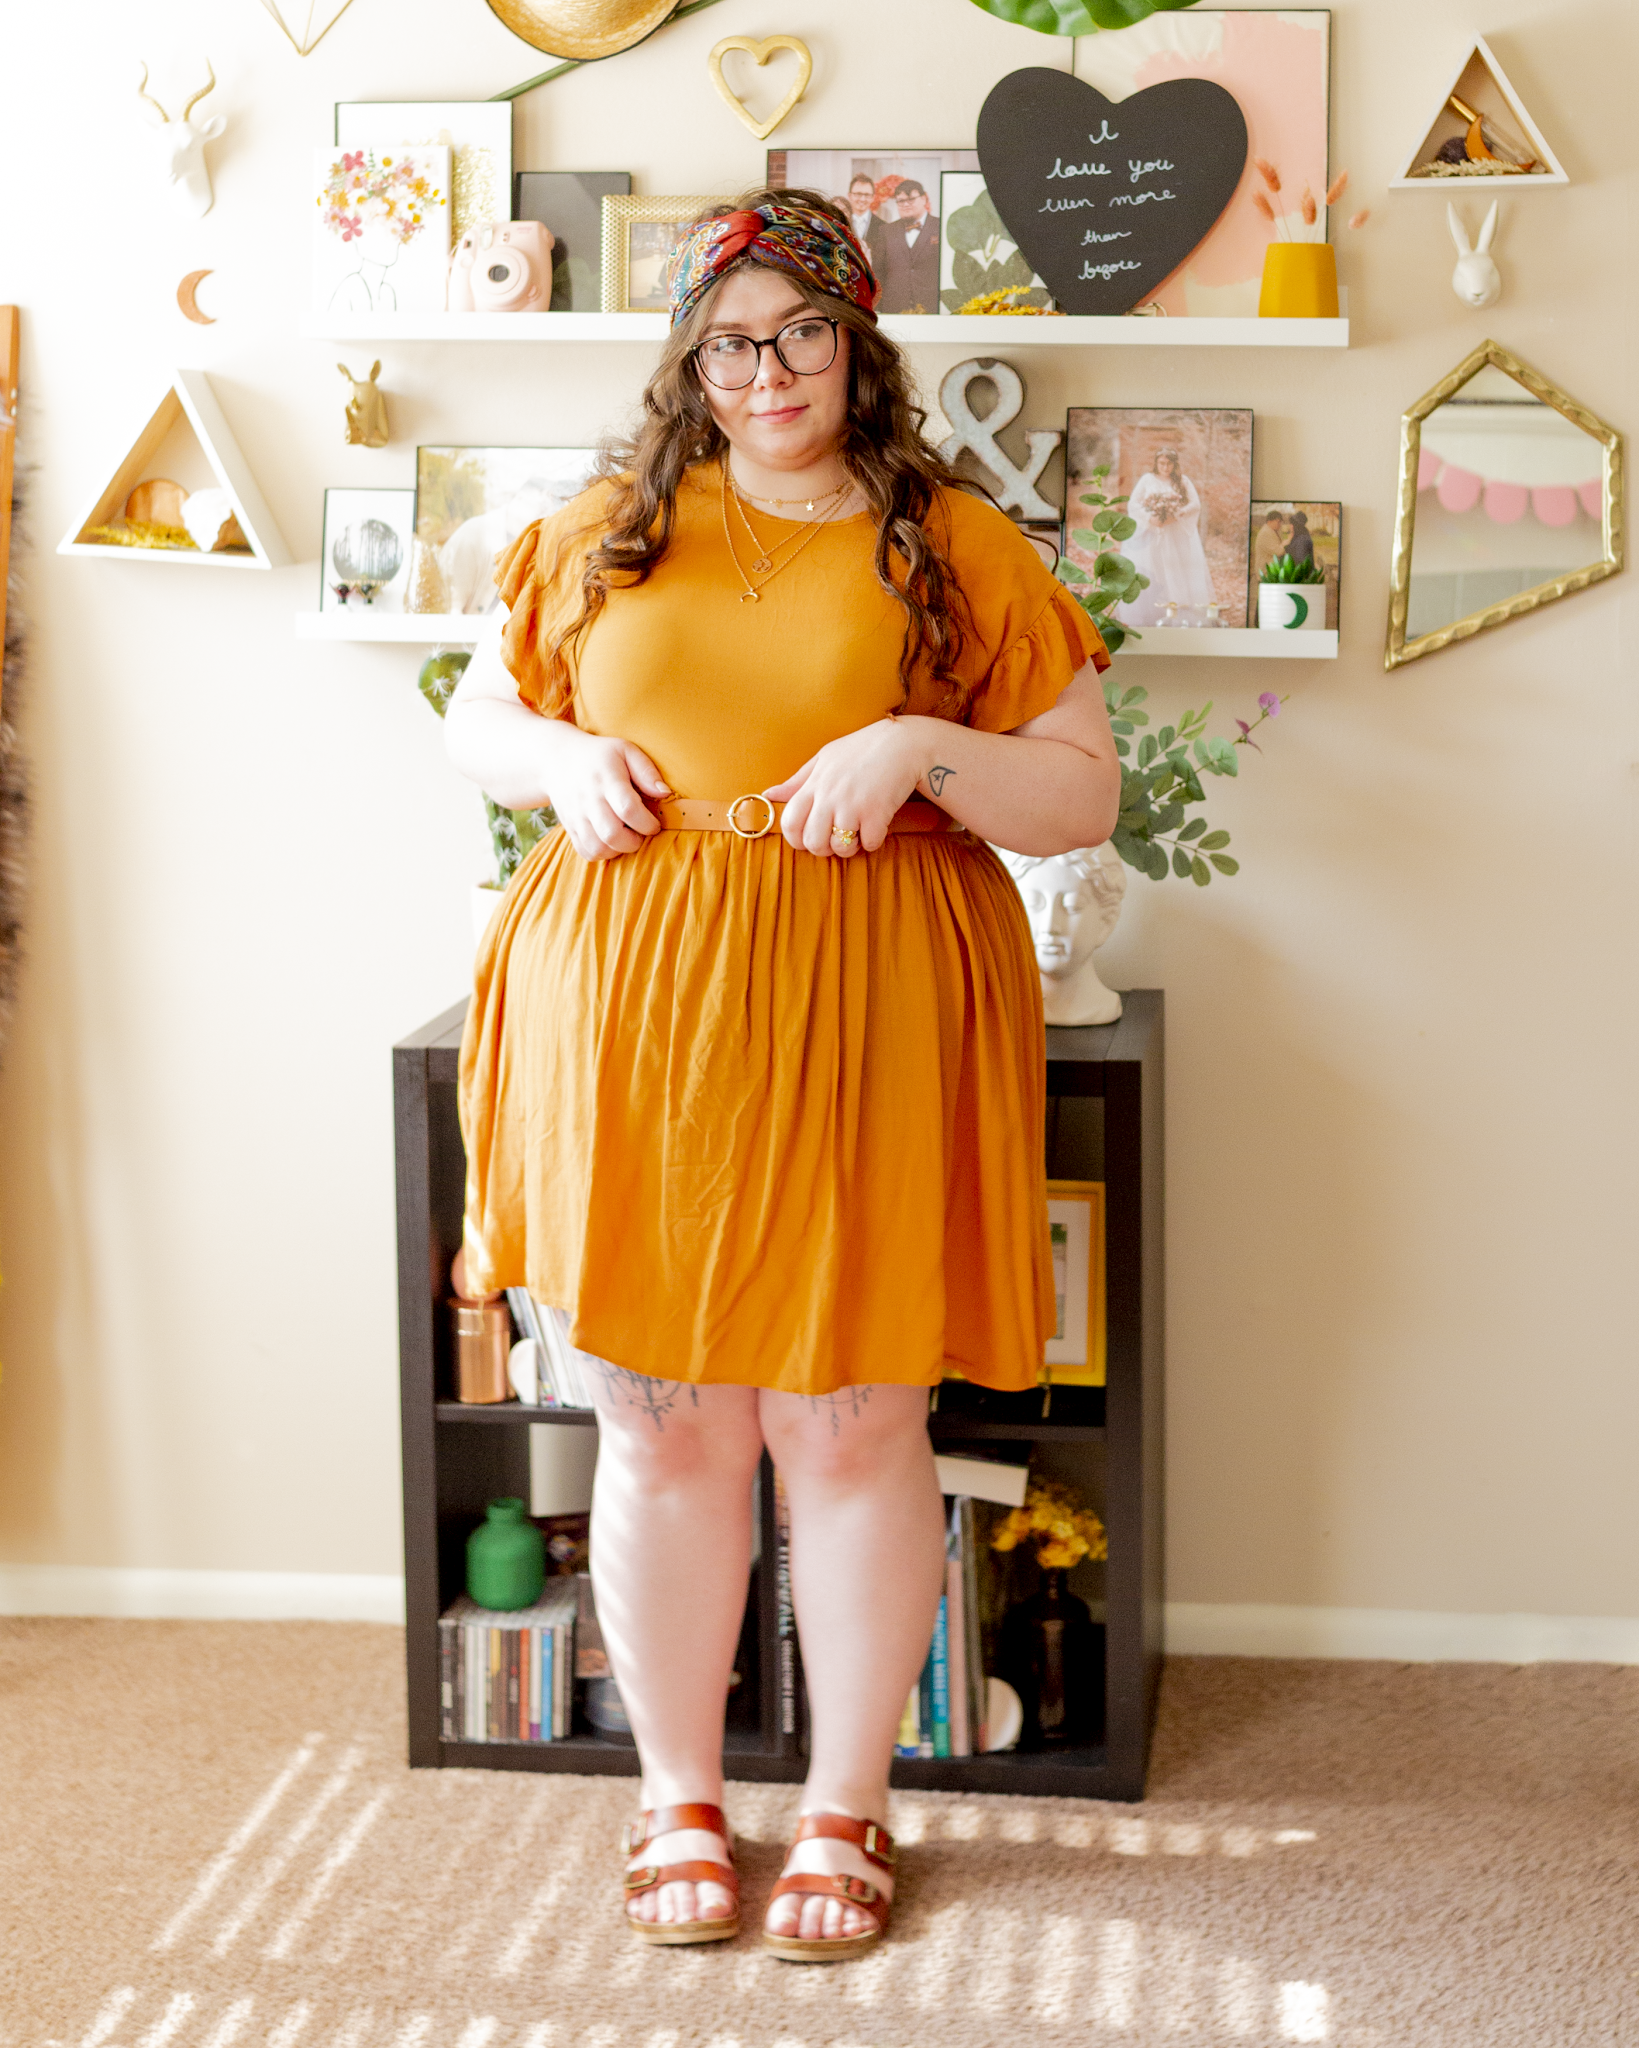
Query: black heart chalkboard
[1106,198]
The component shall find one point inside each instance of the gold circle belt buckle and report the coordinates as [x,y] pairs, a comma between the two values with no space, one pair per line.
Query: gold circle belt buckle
[762,830]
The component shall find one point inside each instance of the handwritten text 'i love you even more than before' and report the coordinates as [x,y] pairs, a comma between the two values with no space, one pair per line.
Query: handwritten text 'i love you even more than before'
[1138,168]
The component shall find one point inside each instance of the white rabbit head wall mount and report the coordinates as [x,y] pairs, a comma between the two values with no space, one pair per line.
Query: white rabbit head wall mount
[1476,279]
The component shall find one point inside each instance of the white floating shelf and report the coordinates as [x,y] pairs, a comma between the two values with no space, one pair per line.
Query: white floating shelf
[403,629]
[934,330]
[1245,643]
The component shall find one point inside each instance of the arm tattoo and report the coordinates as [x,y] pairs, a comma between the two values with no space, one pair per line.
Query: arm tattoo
[651,1397]
[851,1398]
[938,777]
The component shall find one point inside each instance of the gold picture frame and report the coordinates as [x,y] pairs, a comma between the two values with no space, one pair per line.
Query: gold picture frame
[622,211]
[1075,1353]
[1399,649]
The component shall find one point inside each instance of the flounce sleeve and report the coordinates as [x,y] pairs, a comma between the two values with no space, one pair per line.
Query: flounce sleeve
[539,578]
[1028,677]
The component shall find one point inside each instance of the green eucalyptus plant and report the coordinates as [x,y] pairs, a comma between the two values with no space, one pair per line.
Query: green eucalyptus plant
[511,833]
[1078,17]
[1161,778]
[978,235]
[1283,569]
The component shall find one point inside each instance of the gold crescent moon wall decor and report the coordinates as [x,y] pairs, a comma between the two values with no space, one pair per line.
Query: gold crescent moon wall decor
[759,53]
[185,298]
[582,30]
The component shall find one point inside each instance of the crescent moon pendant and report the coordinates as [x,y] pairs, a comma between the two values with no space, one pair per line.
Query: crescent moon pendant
[186,300]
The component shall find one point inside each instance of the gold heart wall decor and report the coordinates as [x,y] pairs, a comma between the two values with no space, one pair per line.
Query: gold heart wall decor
[759,53]
[325,12]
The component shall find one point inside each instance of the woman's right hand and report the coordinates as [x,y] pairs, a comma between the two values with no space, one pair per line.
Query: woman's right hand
[597,789]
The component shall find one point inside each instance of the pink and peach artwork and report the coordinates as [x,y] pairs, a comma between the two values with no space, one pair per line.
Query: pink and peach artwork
[1276,64]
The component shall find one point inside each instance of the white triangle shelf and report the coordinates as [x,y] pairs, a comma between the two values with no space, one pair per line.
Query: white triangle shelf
[1480,81]
[189,397]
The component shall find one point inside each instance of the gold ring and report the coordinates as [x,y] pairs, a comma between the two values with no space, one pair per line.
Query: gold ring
[845,833]
[762,830]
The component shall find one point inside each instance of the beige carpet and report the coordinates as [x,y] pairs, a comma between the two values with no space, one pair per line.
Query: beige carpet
[207,1837]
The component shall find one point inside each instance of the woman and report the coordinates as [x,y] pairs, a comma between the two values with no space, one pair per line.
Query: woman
[1166,507]
[752,1085]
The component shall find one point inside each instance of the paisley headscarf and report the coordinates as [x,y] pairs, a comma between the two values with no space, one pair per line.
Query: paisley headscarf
[803,240]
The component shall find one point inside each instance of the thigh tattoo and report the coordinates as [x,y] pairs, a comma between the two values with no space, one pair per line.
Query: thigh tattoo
[651,1397]
[846,1400]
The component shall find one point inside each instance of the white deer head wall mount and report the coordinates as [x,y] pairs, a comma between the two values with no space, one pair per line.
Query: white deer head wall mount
[182,147]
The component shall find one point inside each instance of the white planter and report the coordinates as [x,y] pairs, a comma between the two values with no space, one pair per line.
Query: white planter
[1292,607]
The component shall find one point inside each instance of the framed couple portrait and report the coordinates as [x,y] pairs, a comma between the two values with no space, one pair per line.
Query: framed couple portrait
[1311,530]
[892,197]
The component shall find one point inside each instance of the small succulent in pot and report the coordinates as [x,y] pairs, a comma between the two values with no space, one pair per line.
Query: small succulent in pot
[1286,569]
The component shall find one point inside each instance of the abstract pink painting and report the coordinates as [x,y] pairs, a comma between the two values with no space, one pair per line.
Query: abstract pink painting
[1278,66]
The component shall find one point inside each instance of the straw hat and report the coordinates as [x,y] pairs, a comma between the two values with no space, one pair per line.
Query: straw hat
[582,28]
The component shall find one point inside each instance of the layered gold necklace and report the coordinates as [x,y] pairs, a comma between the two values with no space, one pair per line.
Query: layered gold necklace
[766,563]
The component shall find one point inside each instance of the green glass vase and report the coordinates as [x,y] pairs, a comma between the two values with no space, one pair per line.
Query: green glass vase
[506,1558]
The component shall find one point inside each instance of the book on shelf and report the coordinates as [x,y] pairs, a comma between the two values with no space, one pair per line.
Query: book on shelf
[508,1677]
[591,1658]
[785,1609]
[560,1367]
[947,1710]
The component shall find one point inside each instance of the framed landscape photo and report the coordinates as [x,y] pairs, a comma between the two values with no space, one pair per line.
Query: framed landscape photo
[892,197]
[1185,473]
[977,256]
[470,503]
[477,134]
[570,203]
[364,558]
[1311,529]
[1075,1354]
[639,237]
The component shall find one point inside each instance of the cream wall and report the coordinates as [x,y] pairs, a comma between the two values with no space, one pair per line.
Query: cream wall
[1402,1112]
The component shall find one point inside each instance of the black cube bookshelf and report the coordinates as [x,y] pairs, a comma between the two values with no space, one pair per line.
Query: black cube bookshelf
[1105,1122]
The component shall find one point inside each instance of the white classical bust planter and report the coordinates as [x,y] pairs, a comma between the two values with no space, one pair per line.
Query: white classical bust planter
[1073,901]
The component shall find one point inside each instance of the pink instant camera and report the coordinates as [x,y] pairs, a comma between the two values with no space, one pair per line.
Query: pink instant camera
[505,267]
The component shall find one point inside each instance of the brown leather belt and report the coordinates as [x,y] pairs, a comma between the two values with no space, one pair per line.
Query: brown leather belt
[755,817]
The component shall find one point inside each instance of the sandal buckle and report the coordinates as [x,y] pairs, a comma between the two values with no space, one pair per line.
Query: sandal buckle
[859,1889]
[640,1880]
[878,1842]
[633,1836]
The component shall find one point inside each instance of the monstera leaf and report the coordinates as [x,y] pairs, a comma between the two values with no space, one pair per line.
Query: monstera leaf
[1078,17]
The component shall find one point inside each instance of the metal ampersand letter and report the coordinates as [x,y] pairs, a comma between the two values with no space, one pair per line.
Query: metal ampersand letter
[1015,487]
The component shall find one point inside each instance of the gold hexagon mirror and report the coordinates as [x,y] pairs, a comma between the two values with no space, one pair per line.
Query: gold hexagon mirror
[1510,497]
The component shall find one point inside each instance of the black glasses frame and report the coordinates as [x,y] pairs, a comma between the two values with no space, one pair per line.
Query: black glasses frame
[769,341]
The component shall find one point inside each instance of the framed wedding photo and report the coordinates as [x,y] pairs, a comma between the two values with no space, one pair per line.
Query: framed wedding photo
[640,235]
[1311,529]
[892,198]
[1075,1354]
[1185,473]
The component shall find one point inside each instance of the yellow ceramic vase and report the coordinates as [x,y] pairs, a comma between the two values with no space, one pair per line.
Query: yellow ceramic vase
[1299,282]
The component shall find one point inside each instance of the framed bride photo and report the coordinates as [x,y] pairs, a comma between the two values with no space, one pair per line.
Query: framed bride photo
[1185,476]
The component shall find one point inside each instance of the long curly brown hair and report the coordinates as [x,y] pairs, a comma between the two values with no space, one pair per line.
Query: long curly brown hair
[882,451]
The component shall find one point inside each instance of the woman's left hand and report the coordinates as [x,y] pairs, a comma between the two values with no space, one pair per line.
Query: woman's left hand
[852,786]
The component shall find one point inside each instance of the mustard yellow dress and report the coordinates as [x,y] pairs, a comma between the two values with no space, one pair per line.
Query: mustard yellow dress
[753,1117]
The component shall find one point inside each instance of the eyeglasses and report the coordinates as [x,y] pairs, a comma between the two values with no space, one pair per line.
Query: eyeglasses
[806,347]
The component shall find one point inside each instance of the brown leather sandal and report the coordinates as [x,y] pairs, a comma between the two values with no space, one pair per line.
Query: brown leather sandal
[666,1820]
[852,1891]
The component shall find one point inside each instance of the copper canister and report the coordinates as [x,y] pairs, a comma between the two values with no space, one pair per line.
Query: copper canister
[483,1337]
